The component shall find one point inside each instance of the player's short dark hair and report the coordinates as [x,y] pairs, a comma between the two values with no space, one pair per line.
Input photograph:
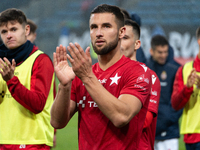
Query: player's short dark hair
[135,26]
[158,40]
[126,14]
[12,14]
[104,8]
[33,26]
[198,33]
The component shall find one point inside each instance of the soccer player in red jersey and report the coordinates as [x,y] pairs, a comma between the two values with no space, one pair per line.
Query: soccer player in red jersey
[129,45]
[110,96]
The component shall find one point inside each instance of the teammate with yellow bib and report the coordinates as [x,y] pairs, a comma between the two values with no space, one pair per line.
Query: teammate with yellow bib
[26,87]
[186,94]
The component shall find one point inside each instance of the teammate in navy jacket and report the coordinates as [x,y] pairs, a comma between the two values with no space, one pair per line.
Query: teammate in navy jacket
[167,130]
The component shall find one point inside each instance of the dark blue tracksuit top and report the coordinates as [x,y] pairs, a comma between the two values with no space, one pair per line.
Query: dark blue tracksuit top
[167,121]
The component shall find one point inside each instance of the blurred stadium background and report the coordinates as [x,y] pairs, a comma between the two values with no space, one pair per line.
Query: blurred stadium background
[64,21]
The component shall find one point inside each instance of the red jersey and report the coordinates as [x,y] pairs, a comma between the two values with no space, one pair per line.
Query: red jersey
[181,95]
[148,133]
[95,130]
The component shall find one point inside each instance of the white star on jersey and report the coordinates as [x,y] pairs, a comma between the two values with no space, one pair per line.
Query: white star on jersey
[115,79]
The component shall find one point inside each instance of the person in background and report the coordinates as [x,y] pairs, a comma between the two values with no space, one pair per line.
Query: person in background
[167,129]
[33,27]
[158,30]
[111,96]
[170,57]
[135,17]
[27,87]
[130,44]
[186,96]
[140,56]
[126,14]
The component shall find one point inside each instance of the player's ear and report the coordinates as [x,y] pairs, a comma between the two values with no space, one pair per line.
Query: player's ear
[151,51]
[122,32]
[27,30]
[198,41]
[137,44]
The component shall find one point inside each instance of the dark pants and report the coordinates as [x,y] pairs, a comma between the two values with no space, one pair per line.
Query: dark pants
[194,146]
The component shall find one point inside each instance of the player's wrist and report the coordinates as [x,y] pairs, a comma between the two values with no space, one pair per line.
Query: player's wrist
[188,85]
[64,86]
[88,79]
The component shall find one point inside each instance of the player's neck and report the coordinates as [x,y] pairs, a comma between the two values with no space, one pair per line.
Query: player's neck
[106,61]
[133,58]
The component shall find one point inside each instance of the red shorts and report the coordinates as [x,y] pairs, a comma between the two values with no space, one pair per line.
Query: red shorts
[24,147]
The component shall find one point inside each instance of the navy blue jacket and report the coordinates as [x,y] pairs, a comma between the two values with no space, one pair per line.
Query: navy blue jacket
[167,121]
[140,55]
[170,57]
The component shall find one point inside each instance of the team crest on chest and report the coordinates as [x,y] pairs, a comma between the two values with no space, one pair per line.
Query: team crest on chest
[163,75]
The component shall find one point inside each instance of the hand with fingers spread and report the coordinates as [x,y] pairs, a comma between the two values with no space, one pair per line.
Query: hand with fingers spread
[63,71]
[7,69]
[81,61]
[197,81]
[192,78]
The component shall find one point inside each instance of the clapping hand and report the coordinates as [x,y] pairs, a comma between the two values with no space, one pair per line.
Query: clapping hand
[7,69]
[193,78]
[62,69]
[81,61]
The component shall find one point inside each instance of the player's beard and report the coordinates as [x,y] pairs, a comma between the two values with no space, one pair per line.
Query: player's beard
[107,49]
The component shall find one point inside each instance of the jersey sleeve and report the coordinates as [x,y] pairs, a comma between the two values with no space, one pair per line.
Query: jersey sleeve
[138,83]
[148,119]
[181,93]
[155,94]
